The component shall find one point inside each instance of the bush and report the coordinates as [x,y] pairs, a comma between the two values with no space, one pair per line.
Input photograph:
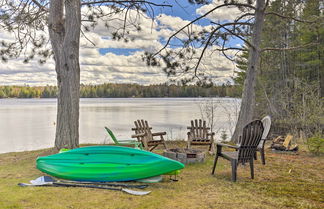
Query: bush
[316,144]
[223,135]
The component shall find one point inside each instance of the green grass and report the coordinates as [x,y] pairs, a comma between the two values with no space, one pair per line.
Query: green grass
[286,181]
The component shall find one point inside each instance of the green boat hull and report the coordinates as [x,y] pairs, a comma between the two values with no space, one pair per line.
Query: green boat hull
[106,163]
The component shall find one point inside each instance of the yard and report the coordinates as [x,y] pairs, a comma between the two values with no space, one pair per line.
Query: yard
[286,181]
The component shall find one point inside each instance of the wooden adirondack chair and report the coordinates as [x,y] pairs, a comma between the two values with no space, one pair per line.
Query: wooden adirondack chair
[245,152]
[199,134]
[266,121]
[143,133]
[136,144]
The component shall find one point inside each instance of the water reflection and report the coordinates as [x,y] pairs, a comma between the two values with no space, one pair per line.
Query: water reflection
[29,124]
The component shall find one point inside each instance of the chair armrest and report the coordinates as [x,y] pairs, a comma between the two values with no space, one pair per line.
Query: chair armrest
[158,133]
[138,135]
[128,141]
[190,127]
[227,145]
[211,134]
[135,129]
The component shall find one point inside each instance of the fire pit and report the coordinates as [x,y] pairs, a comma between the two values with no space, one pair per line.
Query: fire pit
[185,156]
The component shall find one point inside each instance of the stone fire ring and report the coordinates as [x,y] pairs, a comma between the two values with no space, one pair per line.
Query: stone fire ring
[185,156]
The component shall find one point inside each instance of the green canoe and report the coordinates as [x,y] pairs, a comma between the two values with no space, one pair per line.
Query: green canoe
[106,163]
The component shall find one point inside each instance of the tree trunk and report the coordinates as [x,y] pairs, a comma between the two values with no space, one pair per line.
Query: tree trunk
[248,97]
[321,73]
[64,33]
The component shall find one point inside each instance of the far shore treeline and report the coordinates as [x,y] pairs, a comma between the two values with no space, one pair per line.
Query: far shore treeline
[112,90]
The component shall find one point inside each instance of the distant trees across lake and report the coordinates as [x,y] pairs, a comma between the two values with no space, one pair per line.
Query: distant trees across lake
[111,90]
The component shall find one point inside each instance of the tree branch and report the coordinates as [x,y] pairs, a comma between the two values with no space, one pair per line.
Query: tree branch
[204,49]
[286,17]
[233,23]
[198,18]
[234,34]
[122,1]
[242,16]
[39,5]
[211,36]
[231,48]
[223,51]
[85,36]
[290,48]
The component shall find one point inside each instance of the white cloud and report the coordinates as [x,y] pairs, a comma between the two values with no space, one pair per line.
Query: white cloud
[119,68]
[97,68]
[6,36]
[168,25]
[221,14]
[14,72]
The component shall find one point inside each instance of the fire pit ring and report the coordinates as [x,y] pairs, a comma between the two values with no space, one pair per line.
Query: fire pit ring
[185,156]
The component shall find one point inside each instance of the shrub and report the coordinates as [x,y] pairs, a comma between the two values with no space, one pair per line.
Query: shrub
[316,144]
[223,135]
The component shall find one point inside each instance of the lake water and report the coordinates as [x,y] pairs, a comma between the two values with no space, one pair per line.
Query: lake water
[29,124]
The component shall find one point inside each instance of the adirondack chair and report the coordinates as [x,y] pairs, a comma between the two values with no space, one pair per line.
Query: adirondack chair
[244,153]
[199,134]
[266,122]
[143,134]
[136,144]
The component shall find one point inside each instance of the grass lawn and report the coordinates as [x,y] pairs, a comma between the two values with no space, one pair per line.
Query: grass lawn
[286,181]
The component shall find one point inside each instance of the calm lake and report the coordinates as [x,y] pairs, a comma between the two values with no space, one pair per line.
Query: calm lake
[29,124]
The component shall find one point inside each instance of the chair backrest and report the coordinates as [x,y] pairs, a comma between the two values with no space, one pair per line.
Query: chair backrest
[266,122]
[198,129]
[141,126]
[112,135]
[251,138]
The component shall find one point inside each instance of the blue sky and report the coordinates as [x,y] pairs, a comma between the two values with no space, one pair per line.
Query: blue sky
[120,62]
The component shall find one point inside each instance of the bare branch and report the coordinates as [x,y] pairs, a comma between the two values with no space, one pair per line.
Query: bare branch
[233,23]
[287,17]
[204,49]
[125,19]
[244,15]
[223,46]
[231,48]
[290,48]
[122,1]
[223,51]
[233,33]
[84,35]
[200,17]
[39,5]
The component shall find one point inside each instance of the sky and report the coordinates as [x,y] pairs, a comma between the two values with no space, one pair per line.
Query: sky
[104,60]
